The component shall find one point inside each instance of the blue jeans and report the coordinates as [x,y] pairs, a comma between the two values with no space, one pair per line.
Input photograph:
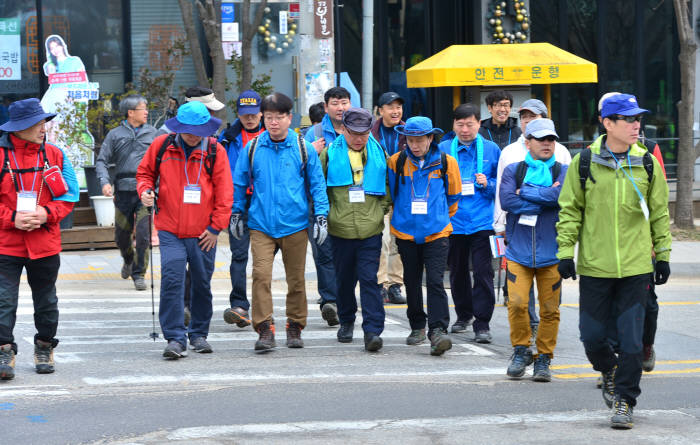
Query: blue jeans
[175,253]
[239,261]
[325,269]
[358,260]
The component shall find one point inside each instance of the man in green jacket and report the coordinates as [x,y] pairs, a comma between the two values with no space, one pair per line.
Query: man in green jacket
[355,169]
[624,198]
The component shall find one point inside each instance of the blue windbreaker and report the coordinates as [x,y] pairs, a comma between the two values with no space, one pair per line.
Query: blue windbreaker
[328,131]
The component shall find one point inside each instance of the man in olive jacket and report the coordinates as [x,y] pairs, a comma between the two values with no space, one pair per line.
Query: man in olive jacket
[355,169]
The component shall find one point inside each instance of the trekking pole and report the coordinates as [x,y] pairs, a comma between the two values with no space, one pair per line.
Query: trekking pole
[153,334]
[498,297]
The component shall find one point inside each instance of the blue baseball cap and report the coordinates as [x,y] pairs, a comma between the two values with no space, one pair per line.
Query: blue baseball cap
[622,104]
[248,103]
[539,128]
[25,114]
[417,126]
[194,118]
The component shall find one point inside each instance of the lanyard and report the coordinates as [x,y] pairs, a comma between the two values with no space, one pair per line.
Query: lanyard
[479,152]
[426,193]
[200,165]
[19,175]
[629,175]
[491,136]
[394,142]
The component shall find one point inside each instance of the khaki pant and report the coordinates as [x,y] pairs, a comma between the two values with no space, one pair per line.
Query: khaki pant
[293,249]
[520,280]
[390,267]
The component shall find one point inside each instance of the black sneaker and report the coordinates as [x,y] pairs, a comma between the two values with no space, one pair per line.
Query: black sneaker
[542,372]
[43,357]
[649,360]
[7,362]
[439,342]
[345,332]
[238,316]
[416,337]
[373,342]
[519,360]
[266,340]
[140,283]
[483,336]
[384,294]
[174,350]
[329,312]
[460,326]
[622,415]
[394,294]
[294,335]
[201,345]
[126,270]
[608,387]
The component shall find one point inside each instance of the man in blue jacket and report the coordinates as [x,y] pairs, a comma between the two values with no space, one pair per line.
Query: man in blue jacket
[473,223]
[281,173]
[529,192]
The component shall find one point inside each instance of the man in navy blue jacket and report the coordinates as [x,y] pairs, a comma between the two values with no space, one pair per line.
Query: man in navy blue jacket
[529,193]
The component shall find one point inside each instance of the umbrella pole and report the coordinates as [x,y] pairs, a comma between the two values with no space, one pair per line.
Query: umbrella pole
[548,98]
[455,97]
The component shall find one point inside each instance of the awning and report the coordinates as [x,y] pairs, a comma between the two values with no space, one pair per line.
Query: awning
[490,65]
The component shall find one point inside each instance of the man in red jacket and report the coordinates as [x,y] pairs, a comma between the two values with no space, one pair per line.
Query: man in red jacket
[194,204]
[29,234]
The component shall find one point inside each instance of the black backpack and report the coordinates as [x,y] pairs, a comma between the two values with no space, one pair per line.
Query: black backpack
[401,161]
[521,171]
[209,160]
[584,166]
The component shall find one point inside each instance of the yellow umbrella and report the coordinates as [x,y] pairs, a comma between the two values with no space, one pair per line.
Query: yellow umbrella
[490,65]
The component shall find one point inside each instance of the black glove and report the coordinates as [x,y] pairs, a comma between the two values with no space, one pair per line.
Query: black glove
[661,272]
[567,268]
[320,229]
[237,226]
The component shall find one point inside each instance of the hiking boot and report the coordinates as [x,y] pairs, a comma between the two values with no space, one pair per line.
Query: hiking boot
[329,312]
[188,316]
[384,294]
[140,283]
[519,360]
[439,342]
[542,372]
[43,357]
[238,316]
[266,340]
[533,336]
[622,415]
[373,342]
[201,345]
[649,360]
[294,335]
[7,362]
[345,332]
[608,386]
[174,350]
[126,270]
[416,337]
[460,326]
[483,336]
[394,294]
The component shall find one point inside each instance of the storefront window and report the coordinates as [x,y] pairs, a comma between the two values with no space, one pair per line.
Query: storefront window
[18,49]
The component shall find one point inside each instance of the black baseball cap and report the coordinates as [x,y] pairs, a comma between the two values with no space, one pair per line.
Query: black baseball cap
[388,98]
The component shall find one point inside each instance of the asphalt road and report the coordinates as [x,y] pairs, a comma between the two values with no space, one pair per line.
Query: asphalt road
[112,385]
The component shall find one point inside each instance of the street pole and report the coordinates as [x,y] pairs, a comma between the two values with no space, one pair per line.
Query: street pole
[367,53]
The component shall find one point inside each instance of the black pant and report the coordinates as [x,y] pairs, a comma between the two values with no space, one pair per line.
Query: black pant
[651,314]
[433,257]
[41,275]
[477,301]
[614,305]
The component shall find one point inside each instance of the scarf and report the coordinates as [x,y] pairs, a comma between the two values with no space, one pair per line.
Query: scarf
[479,152]
[340,172]
[538,171]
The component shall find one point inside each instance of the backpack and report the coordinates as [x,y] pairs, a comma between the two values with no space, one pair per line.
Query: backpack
[401,161]
[521,171]
[318,132]
[584,166]
[5,168]
[209,160]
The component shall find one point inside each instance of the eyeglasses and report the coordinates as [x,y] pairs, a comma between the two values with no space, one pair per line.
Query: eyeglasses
[628,119]
[501,105]
[140,109]
[546,138]
[271,118]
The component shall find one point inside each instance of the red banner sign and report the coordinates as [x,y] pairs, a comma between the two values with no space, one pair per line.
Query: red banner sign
[76,76]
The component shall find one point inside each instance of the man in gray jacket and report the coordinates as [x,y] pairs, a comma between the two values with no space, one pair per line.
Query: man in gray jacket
[125,146]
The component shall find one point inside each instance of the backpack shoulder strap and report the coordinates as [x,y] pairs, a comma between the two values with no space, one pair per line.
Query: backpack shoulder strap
[584,167]
[210,159]
[161,151]
[4,168]
[648,163]
[556,171]
[251,155]
[443,171]
[520,172]
[400,162]
[318,131]
[302,150]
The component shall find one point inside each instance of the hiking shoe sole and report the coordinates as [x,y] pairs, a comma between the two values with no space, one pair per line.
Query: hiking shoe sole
[45,369]
[173,355]
[444,344]
[264,347]
[374,345]
[295,343]
[621,424]
[541,378]
[7,375]
[330,315]
[233,317]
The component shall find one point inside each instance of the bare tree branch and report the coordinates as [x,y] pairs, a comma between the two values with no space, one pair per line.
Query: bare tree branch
[193,40]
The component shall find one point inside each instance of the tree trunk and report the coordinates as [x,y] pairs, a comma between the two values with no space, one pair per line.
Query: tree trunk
[249,29]
[210,15]
[193,40]
[683,215]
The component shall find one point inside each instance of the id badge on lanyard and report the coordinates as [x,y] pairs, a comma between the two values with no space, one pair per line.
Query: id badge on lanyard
[193,194]
[467,187]
[528,220]
[356,193]
[419,206]
[26,201]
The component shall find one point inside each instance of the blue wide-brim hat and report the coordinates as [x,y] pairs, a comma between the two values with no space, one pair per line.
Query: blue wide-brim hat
[194,118]
[418,126]
[25,114]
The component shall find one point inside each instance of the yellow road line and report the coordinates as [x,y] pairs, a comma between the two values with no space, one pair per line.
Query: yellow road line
[658,362]
[660,372]
[661,303]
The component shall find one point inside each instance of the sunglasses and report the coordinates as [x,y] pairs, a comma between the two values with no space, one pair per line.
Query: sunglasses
[546,138]
[628,119]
